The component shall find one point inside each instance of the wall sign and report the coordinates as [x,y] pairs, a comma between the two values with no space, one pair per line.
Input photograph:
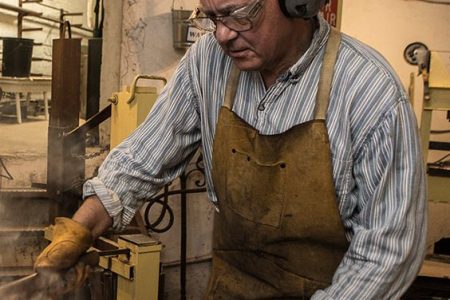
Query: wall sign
[332,13]
[193,34]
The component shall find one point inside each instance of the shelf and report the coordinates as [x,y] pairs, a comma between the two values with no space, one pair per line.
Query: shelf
[23,12]
[20,10]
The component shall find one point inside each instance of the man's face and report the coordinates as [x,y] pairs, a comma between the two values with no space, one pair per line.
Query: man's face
[262,47]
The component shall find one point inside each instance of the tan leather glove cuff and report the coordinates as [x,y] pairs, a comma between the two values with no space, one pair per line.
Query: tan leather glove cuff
[70,240]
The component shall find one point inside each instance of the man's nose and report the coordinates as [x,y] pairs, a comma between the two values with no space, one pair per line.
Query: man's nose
[224,34]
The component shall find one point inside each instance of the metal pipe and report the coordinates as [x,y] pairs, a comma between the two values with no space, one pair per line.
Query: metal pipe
[183,196]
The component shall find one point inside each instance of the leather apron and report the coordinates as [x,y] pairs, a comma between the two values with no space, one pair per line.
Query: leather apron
[278,233]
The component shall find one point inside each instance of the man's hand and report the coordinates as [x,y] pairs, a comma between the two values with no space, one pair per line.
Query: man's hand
[70,241]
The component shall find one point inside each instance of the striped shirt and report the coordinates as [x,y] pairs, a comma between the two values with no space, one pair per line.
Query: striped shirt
[377,165]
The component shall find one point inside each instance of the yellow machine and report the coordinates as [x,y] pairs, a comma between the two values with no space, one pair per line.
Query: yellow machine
[138,272]
[130,108]
[135,258]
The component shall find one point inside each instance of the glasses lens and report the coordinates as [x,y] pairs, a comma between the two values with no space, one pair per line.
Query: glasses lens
[237,24]
[239,20]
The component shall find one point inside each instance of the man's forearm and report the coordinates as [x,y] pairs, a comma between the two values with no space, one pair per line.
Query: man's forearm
[94,216]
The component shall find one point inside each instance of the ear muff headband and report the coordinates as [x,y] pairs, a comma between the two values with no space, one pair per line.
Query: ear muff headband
[301,8]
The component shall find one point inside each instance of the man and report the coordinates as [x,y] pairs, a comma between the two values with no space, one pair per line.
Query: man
[311,157]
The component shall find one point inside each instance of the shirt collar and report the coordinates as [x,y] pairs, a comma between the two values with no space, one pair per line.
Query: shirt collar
[319,39]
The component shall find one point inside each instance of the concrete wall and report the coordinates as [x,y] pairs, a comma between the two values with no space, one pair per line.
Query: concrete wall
[389,26]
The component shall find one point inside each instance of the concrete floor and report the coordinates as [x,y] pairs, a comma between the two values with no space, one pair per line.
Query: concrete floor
[28,138]
[23,151]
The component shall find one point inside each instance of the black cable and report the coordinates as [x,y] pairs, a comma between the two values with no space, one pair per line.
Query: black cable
[9,177]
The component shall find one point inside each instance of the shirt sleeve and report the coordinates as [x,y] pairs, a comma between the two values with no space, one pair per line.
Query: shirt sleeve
[154,154]
[389,227]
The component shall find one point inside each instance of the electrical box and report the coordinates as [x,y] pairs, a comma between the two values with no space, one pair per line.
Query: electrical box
[130,108]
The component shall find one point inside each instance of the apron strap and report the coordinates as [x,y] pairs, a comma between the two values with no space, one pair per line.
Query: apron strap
[232,84]
[326,74]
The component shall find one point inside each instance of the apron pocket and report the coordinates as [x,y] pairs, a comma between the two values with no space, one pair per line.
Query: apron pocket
[255,189]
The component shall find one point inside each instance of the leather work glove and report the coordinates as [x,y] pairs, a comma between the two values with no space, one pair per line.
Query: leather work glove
[65,263]
[70,241]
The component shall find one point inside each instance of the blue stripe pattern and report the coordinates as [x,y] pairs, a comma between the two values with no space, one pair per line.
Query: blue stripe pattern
[377,165]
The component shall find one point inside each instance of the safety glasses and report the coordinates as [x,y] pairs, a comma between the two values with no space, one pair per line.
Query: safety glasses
[239,20]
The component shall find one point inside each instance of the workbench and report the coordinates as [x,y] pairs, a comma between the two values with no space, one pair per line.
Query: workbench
[28,86]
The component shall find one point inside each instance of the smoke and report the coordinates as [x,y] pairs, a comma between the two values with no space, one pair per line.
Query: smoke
[48,285]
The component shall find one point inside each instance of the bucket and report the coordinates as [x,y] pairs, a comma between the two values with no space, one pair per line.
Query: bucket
[16,58]
[184,34]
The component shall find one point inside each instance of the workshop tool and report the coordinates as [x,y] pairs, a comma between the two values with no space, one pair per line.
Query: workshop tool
[45,285]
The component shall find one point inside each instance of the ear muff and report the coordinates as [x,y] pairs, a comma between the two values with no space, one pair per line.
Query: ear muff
[301,8]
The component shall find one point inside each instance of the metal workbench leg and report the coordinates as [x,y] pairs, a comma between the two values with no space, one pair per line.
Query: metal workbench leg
[45,105]
[18,111]
[425,128]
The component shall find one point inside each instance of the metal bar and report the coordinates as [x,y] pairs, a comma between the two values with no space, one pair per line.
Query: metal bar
[444,146]
[24,193]
[65,171]
[50,284]
[19,22]
[73,14]
[183,241]
[20,10]
[91,123]
[93,82]
[438,172]
[40,59]
[177,192]
[32,29]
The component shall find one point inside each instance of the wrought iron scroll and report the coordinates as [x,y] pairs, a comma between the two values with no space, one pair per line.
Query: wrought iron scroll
[193,170]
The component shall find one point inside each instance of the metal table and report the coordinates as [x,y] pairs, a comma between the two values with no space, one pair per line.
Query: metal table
[27,85]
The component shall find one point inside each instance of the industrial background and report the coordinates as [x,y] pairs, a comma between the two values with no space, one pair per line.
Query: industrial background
[112,42]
